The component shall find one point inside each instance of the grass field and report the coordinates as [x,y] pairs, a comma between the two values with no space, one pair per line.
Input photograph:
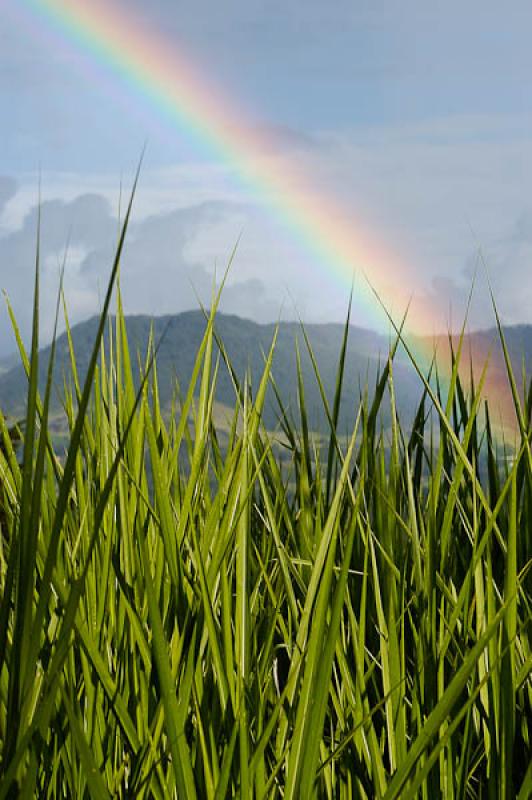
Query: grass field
[184,619]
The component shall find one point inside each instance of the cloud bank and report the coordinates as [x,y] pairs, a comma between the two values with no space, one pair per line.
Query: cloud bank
[157,276]
[448,198]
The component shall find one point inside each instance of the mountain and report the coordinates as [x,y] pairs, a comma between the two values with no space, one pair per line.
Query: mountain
[485,346]
[7,362]
[246,342]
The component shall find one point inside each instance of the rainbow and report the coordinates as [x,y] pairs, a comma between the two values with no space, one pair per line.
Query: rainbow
[209,117]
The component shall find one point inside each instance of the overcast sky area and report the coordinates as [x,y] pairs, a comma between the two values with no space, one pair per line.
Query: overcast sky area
[416,116]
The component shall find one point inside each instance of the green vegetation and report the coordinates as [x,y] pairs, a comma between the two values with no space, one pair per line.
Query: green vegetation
[182,619]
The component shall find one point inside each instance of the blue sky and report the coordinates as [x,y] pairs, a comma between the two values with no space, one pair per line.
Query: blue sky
[418,115]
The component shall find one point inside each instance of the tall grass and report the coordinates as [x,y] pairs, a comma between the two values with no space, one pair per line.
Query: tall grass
[183,616]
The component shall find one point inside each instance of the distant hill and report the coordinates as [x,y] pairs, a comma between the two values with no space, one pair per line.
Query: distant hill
[481,343]
[246,342]
[482,346]
[8,362]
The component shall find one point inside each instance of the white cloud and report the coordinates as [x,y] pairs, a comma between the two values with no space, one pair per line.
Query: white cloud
[8,189]
[428,195]
[158,275]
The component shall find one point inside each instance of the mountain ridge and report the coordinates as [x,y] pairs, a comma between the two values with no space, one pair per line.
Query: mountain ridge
[246,341]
